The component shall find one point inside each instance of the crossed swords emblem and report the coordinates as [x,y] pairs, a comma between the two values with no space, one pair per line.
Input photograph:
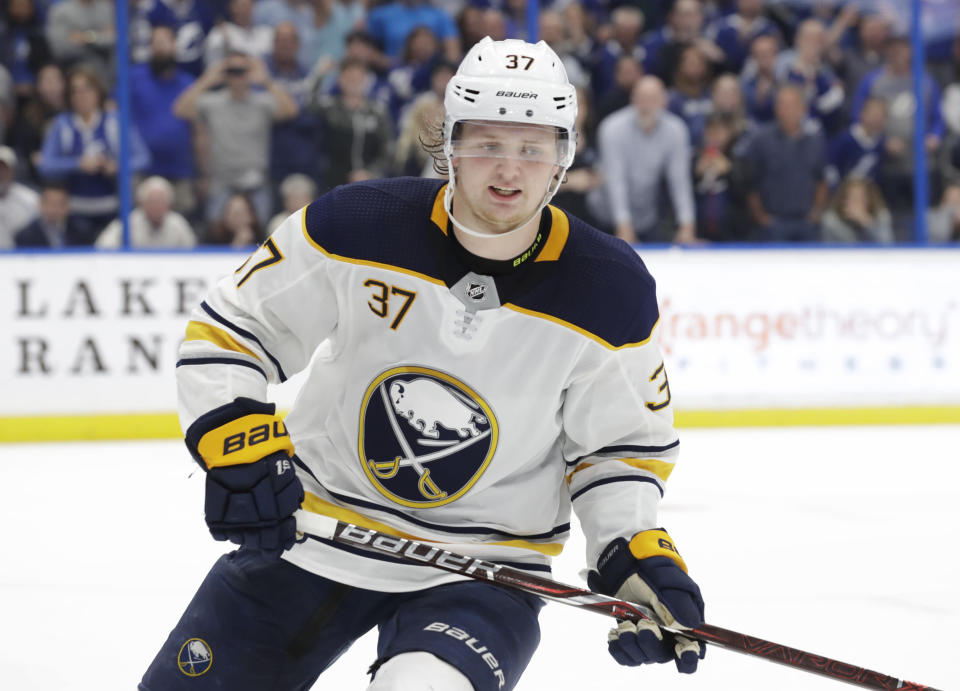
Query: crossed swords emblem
[385,470]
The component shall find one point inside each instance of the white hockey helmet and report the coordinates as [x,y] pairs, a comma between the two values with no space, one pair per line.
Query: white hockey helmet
[512,82]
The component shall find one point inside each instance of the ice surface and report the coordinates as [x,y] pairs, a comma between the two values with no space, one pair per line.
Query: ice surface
[839,541]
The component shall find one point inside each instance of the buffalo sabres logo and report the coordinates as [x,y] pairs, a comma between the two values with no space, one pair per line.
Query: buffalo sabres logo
[425,437]
[195,657]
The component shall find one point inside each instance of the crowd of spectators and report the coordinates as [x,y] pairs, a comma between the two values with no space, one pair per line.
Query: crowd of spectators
[701,120]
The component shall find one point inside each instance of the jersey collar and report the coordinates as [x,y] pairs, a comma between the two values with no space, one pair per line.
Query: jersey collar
[557,235]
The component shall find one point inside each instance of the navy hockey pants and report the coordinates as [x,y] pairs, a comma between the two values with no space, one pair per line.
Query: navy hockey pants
[256,625]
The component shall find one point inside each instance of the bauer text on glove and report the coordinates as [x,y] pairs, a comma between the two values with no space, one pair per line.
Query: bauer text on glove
[252,489]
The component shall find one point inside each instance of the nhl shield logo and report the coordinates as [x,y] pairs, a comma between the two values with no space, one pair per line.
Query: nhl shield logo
[476,291]
[195,657]
[425,437]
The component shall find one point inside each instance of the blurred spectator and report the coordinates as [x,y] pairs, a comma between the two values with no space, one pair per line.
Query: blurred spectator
[496,25]
[857,215]
[627,72]
[943,222]
[81,31]
[949,163]
[726,98]
[425,112]
[234,128]
[273,12]
[805,67]
[735,33]
[299,13]
[858,60]
[296,191]
[553,31]
[356,134]
[841,21]
[153,223]
[411,75]
[23,44]
[154,88]
[513,14]
[8,102]
[626,25]
[293,147]
[53,227]
[391,23]
[759,79]
[237,225]
[578,33]
[948,71]
[583,175]
[630,197]
[690,97]
[82,148]
[663,47]
[471,26]
[893,83]
[238,35]
[36,115]
[18,203]
[785,172]
[191,21]
[858,150]
[789,14]
[360,46]
[326,35]
[718,217]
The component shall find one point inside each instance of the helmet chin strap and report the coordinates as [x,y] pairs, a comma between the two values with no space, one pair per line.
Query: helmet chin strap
[448,206]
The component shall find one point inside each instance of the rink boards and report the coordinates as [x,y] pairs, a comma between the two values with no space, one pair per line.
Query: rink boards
[750,337]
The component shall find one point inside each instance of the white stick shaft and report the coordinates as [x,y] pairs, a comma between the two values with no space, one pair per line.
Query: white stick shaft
[315,524]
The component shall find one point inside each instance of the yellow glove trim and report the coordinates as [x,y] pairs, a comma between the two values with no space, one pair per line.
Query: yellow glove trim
[655,543]
[244,440]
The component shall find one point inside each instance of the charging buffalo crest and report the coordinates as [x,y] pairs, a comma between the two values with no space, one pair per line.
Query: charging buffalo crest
[425,437]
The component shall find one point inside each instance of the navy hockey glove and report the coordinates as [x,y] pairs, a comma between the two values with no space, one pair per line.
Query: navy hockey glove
[649,571]
[252,489]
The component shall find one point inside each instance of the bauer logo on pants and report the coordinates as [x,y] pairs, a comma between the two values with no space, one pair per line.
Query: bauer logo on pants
[195,657]
[425,437]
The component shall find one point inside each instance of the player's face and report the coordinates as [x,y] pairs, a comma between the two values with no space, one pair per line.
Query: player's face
[502,173]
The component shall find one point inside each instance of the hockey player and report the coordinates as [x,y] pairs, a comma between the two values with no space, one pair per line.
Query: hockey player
[480,362]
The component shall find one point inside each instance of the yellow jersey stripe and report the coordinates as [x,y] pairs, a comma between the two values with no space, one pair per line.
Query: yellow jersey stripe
[199,331]
[568,325]
[315,504]
[661,469]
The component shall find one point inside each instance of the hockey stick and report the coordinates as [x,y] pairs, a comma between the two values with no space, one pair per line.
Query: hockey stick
[403,549]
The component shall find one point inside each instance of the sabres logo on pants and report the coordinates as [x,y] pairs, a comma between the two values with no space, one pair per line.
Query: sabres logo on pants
[425,437]
[195,657]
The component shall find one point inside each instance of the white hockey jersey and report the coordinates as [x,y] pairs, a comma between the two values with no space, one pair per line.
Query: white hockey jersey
[450,404]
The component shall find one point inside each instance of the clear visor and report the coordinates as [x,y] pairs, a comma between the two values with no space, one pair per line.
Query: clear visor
[543,144]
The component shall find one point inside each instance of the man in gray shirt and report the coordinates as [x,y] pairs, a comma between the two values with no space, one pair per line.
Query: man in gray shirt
[82,31]
[785,172]
[640,146]
[234,124]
